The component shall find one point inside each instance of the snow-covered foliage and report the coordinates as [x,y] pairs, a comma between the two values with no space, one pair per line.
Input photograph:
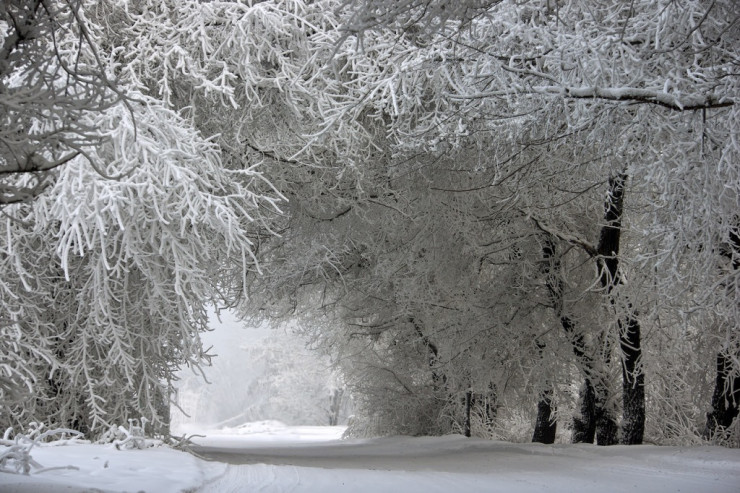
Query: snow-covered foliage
[106,275]
[107,280]
[489,203]
[297,387]
[53,85]
[494,137]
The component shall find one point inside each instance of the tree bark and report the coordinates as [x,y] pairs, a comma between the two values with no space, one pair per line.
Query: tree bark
[633,385]
[633,379]
[335,406]
[584,422]
[468,408]
[545,426]
[606,424]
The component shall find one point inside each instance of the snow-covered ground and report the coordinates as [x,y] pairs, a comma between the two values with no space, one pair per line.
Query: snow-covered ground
[272,457]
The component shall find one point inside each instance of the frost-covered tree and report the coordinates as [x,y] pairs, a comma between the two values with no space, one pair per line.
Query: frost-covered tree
[488,202]
[106,274]
[647,73]
[298,385]
[537,110]
[109,278]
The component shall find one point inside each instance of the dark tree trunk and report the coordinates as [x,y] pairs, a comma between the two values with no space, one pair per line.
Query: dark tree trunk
[593,397]
[584,422]
[468,408]
[725,399]
[633,385]
[606,425]
[595,412]
[545,427]
[491,406]
[633,379]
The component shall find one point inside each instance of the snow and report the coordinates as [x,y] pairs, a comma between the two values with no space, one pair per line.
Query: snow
[104,468]
[270,456]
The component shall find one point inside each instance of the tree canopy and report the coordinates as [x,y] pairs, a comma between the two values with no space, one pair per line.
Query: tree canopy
[481,210]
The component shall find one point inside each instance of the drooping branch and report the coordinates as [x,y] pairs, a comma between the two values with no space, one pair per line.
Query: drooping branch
[610,235]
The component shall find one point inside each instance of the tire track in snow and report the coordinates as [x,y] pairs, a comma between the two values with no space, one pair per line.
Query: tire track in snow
[253,478]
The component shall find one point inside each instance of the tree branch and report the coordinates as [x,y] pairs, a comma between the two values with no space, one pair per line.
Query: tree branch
[659,98]
[623,94]
[589,248]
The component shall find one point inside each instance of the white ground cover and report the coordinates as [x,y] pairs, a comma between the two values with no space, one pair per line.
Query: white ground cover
[271,457]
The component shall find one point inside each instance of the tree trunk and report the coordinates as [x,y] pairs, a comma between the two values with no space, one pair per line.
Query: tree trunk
[335,406]
[160,422]
[633,385]
[545,427]
[606,424]
[725,399]
[584,422]
[633,380]
[468,407]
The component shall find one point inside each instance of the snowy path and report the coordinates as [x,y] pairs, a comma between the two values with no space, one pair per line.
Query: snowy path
[274,458]
[453,463]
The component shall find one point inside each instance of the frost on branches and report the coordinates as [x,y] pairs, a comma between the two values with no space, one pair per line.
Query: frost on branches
[105,275]
[51,81]
[473,255]
[105,281]
[491,204]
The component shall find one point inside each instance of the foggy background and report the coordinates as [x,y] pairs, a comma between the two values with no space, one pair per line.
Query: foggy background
[258,374]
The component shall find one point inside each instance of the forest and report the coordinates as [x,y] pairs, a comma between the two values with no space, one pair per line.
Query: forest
[512,219]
